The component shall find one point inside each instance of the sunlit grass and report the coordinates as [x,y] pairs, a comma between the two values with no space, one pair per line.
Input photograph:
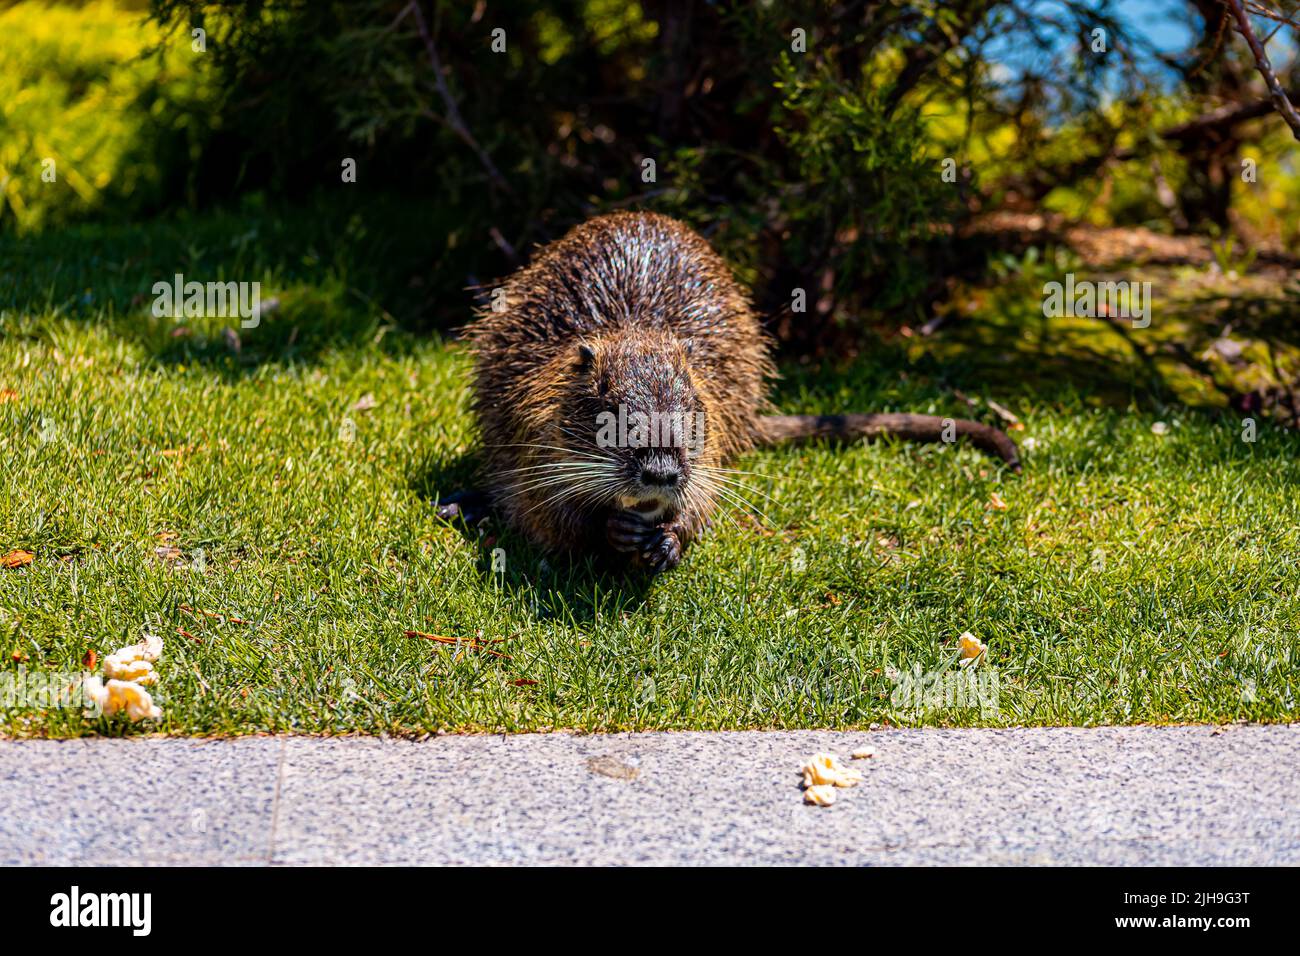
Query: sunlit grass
[1132,576]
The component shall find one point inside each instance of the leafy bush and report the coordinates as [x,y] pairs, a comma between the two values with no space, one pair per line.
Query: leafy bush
[798,156]
[86,123]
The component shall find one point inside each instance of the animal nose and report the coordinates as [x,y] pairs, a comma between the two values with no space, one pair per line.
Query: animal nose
[661,471]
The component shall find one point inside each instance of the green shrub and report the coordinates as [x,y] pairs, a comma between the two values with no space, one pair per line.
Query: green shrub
[87,123]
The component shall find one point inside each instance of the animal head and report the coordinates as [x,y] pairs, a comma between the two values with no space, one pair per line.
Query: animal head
[637,421]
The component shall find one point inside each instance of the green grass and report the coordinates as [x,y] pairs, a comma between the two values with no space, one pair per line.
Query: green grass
[1132,577]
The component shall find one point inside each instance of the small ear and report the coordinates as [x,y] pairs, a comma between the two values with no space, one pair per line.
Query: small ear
[586,355]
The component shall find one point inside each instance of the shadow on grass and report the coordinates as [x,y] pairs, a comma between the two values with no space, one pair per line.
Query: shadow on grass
[1209,346]
[345,273]
[579,590]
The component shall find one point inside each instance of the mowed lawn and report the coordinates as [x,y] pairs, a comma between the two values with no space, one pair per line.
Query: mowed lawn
[265,506]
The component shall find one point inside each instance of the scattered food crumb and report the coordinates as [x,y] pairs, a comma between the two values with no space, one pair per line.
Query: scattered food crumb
[823,770]
[1159,428]
[148,649]
[128,669]
[822,795]
[862,753]
[971,647]
[135,669]
[122,696]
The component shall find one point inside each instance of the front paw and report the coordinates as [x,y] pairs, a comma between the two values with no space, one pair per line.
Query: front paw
[651,547]
[663,552]
[628,532]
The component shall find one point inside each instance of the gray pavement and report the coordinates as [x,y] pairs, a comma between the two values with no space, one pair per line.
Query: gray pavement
[1116,796]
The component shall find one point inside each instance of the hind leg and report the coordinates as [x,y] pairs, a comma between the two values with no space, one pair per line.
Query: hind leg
[470,507]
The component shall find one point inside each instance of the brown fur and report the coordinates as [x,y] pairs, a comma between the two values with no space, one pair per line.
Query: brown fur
[633,308]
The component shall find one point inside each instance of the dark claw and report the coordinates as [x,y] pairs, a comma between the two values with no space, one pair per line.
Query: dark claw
[470,507]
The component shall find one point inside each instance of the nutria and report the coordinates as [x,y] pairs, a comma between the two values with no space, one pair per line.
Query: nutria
[616,376]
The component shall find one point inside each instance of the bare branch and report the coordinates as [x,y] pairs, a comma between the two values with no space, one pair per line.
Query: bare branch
[452,117]
[1275,90]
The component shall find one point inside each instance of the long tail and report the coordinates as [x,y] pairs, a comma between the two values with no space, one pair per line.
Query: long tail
[780,429]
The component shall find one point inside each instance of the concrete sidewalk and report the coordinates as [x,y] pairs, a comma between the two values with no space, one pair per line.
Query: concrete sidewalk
[1122,796]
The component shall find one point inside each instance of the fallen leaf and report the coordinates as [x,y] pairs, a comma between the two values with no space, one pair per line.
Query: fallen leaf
[167,552]
[16,559]
[8,395]
[90,660]
[524,682]
[612,767]
[996,502]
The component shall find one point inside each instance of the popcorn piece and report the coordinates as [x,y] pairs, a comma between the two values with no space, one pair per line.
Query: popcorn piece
[822,795]
[149,649]
[971,647]
[95,691]
[862,753]
[121,668]
[128,697]
[120,696]
[822,770]
[134,662]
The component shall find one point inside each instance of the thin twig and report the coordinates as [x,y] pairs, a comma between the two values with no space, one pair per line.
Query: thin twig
[466,642]
[453,118]
[503,245]
[1280,101]
[1259,10]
